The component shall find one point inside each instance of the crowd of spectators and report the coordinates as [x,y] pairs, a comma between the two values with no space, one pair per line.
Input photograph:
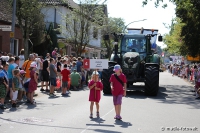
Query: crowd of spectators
[191,73]
[20,77]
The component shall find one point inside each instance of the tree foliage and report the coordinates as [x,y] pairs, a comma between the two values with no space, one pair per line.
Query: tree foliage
[113,25]
[188,12]
[27,12]
[84,24]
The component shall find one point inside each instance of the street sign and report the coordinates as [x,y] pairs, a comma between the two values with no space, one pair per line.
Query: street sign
[12,34]
[95,63]
[86,63]
[5,27]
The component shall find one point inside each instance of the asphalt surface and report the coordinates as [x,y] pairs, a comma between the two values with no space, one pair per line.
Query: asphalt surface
[175,108]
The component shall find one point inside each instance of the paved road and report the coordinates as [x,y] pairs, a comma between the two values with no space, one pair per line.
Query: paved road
[173,108]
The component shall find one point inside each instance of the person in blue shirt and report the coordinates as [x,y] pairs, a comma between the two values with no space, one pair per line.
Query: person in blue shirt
[79,65]
[11,68]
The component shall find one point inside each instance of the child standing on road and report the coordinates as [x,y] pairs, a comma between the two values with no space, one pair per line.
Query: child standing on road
[95,87]
[65,78]
[15,87]
[33,82]
[118,88]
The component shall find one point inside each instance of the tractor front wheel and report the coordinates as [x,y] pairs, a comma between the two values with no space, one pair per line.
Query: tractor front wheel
[106,73]
[151,80]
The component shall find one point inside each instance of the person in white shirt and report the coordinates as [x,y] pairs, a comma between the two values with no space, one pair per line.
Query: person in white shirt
[39,63]
[21,58]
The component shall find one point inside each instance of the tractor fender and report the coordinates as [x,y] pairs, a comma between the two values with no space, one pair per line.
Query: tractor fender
[156,59]
[111,63]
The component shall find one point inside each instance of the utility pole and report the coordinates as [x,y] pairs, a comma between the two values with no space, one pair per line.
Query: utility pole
[12,34]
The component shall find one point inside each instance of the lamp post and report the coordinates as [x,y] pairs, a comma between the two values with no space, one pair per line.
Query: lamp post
[131,23]
[13,28]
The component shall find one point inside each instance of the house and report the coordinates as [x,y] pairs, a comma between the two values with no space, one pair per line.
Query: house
[54,12]
[6,19]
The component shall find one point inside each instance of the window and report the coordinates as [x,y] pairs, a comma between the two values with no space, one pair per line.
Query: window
[95,33]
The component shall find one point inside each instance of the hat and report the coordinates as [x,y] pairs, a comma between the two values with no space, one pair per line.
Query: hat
[22,72]
[74,69]
[33,64]
[95,73]
[116,67]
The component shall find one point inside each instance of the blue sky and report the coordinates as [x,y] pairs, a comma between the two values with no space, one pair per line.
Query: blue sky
[132,10]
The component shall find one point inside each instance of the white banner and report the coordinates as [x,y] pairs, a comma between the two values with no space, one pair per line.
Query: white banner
[99,63]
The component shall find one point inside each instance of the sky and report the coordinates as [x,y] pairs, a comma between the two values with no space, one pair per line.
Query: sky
[132,10]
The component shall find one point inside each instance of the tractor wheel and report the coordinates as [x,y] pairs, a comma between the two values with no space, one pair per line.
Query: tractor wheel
[151,80]
[106,73]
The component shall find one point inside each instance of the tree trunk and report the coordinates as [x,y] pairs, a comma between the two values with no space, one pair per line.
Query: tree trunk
[26,49]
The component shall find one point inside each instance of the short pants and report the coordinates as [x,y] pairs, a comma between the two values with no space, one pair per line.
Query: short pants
[117,100]
[2,91]
[53,81]
[45,76]
[65,84]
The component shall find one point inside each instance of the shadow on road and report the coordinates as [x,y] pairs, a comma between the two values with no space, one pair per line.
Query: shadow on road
[180,94]
[123,124]
[170,94]
[105,131]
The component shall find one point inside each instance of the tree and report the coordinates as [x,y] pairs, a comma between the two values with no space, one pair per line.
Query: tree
[83,23]
[27,11]
[114,25]
[188,12]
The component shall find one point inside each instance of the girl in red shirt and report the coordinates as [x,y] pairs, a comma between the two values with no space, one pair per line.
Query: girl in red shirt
[95,87]
[118,89]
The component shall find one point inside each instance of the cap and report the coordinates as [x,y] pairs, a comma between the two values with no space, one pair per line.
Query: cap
[33,64]
[22,72]
[116,67]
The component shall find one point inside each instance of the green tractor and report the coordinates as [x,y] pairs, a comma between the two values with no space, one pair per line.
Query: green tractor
[138,60]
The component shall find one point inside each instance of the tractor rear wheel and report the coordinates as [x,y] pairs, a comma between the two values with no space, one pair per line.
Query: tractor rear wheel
[151,80]
[106,73]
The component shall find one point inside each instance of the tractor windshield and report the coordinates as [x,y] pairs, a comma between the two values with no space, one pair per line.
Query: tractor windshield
[133,44]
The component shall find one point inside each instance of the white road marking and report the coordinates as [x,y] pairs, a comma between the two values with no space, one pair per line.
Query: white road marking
[99,119]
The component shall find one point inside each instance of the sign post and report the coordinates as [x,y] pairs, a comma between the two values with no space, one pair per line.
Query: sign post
[95,64]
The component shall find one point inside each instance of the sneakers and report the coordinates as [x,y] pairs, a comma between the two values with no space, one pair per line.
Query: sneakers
[41,89]
[91,115]
[3,107]
[14,105]
[117,117]
[67,92]
[52,95]
[98,114]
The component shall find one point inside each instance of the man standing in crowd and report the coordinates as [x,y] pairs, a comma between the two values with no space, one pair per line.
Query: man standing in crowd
[26,66]
[45,74]
[21,58]
[79,65]
[53,75]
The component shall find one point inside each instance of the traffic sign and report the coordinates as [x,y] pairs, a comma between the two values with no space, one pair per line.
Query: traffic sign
[95,63]
[12,34]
